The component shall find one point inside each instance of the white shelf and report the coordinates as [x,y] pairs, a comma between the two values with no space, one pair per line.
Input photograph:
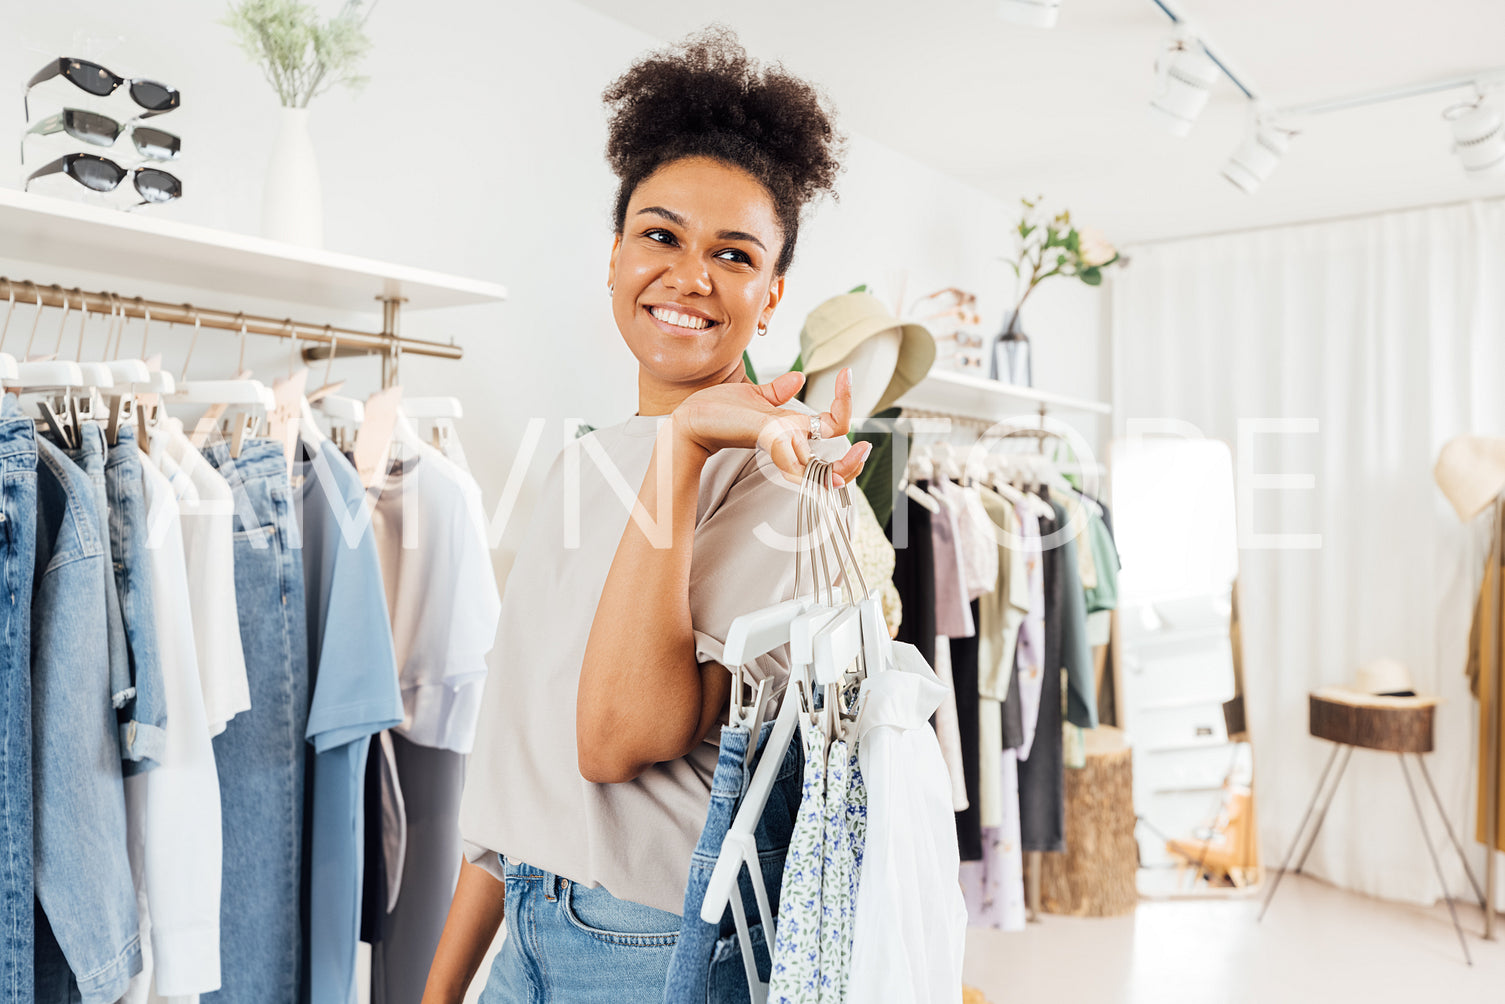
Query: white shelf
[979,397]
[43,232]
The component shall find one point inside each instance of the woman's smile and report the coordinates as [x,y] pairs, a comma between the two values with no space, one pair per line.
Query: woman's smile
[676,319]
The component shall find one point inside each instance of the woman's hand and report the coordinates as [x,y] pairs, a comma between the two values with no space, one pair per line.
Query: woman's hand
[744,415]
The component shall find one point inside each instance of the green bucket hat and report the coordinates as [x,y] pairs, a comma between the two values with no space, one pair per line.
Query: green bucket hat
[835,329]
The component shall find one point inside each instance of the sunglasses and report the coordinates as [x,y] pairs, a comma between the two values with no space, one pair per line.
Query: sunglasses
[157,99]
[101,130]
[104,175]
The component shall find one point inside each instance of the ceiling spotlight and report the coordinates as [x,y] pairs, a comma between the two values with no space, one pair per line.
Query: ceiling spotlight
[1478,137]
[1184,78]
[1258,156]
[1031,13]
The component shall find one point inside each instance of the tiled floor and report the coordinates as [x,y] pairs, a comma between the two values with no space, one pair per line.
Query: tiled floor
[1317,944]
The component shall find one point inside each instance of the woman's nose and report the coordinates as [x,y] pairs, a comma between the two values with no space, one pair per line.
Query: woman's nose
[688,274]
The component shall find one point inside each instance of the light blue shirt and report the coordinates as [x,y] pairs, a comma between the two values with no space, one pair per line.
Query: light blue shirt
[355,695]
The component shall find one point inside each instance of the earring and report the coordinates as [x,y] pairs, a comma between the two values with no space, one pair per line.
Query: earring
[762,329]
[609,289]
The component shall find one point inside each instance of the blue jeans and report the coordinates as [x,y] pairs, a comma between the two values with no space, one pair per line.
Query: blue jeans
[89,456]
[261,756]
[143,717]
[573,944]
[707,964]
[87,928]
[18,544]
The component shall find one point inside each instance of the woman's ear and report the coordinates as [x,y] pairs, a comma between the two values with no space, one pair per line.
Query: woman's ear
[611,264]
[775,294]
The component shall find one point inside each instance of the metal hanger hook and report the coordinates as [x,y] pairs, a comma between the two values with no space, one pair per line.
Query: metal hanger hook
[292,356]
[192,341]
[240,367]
[8,311]
[146,324]
[329,359]
[35,321]
[61,321]
[83,322]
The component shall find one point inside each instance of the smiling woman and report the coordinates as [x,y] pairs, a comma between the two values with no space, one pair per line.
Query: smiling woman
[580,828]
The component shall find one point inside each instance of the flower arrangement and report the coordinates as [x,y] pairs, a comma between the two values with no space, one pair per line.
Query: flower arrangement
[1056,247]
[301,56]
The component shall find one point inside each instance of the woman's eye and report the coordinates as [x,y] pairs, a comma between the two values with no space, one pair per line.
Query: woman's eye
[660,236]
[741,257]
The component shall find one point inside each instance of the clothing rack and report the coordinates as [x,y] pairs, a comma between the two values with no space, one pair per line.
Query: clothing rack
[329,340]
[984,424]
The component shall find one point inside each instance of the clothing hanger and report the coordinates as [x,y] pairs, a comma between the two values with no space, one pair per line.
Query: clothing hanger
[253,399]
[439,413]
[8,371]
[748,637]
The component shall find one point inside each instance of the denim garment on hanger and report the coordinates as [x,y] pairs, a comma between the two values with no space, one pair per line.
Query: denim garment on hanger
[88,943]
[18,542]
[262,755]
[707,963]
[89,456]
[143,718]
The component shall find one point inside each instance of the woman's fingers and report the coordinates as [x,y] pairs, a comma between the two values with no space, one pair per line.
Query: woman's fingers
[850,464]
[782,388]
[838,420]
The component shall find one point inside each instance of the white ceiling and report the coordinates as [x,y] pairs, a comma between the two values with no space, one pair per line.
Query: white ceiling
[1021,111]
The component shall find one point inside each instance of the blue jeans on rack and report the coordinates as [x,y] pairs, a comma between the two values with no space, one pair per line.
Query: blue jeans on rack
[707,965]
[572,944]
[262,754]
[89,456]
[143,718]
[18,544]
[88,942]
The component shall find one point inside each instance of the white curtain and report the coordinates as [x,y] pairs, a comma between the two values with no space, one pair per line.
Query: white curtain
[1383,337]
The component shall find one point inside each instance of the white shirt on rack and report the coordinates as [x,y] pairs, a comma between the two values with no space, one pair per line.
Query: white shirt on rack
[911,923]
[208,520]
[173,812]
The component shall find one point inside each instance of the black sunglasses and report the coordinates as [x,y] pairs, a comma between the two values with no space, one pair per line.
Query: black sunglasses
[104,175]
[157,99]
[101,130]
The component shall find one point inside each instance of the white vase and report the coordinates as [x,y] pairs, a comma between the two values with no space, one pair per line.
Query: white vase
[292,201]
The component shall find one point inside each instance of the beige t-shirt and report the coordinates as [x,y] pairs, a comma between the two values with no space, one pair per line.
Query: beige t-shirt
[524,796]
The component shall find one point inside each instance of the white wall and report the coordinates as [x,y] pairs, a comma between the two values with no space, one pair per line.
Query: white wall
[477,149]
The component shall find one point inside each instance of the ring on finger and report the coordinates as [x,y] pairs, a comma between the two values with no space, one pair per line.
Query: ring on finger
[814,426]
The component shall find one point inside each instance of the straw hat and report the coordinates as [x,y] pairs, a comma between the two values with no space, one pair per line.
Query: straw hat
[1471,473]
[1384,678]
[835,329]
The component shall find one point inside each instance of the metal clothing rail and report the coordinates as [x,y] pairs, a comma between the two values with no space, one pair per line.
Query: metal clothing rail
[327,338]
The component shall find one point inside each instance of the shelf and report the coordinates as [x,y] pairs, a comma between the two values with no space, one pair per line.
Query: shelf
[43,232]
[979,397]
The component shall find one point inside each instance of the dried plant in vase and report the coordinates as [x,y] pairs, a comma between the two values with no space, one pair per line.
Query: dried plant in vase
[301,56]
[1047,248]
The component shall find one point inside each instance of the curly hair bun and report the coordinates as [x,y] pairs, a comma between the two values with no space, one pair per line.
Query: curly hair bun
[705,97]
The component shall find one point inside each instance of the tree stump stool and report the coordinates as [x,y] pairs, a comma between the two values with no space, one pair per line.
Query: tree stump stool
[1095,877]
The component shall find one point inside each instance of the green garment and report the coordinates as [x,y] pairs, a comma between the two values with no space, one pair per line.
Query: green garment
[1103,596]
[1076,656]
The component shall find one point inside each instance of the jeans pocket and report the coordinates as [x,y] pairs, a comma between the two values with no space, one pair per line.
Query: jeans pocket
[598,913]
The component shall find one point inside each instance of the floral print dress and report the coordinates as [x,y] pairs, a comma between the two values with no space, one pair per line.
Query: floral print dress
[796,977]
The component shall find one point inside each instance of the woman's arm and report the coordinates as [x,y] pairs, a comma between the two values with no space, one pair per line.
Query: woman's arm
[474,916]
[643,698]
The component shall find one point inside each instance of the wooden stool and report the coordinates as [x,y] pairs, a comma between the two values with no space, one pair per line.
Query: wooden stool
[1096,875]
[1400,725]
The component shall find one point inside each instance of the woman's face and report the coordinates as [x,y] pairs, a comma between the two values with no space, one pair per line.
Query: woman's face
[692,272]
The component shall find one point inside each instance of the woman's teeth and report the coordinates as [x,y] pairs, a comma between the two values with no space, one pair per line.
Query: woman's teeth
[679,320]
